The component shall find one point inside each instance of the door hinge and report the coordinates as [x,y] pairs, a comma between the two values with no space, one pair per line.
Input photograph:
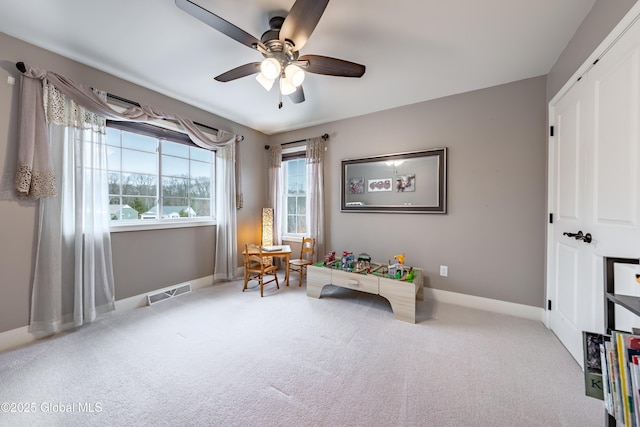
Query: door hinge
[550,218]
[550,130]
[549,304]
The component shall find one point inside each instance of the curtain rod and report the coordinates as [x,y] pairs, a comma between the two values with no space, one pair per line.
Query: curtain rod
[325,137]
[22,68]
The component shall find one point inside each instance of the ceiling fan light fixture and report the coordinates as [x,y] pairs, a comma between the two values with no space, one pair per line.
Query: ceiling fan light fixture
[265,82]
[294,74]
[280,47]
[270,68]
[286,88]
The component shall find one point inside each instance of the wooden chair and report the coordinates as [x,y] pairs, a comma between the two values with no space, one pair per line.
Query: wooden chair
[257,267]
[306,257]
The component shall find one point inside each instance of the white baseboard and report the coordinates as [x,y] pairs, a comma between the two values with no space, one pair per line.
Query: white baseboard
[221,277]
[486,304]
[15,338]
[21,336]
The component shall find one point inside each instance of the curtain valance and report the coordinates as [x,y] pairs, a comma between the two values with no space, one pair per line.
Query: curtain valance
[315,150]
[34,177]
[60,110]
[275,156]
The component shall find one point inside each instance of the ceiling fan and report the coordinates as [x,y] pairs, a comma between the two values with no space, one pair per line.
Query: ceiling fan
[280,46]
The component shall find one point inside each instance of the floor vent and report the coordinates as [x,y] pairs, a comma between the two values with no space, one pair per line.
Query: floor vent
[169,293]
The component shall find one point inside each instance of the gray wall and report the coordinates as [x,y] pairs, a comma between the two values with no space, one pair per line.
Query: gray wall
[143,261]
[492,238]
[598,23]
[161,258]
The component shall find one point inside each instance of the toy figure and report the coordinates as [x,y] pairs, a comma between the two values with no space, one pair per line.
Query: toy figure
[329,258]
[410,275]
[347,261]
[392,270]
[364,262]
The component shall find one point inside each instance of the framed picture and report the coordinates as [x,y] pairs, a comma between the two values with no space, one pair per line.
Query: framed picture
[391,183]
[406,182]
[379,184]
[356,186]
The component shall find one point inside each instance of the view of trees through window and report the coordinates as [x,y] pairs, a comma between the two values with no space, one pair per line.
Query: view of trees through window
[152,178]
[295,173]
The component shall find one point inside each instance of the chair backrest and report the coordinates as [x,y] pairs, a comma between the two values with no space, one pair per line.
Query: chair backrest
[253,257]
[308,248]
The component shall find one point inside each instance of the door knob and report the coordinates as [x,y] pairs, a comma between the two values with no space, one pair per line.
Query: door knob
[579,236]
[576,235]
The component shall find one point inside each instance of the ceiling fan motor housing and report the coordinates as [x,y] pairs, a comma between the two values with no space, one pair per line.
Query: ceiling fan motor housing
[271,39]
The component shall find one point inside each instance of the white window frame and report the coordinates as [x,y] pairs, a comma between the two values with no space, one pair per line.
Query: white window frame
[163,223]
[290,154]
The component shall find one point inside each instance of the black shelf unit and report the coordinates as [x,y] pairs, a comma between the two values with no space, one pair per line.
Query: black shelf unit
[629,302]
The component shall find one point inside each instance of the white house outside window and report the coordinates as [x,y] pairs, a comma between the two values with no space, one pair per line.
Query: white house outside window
[152,177]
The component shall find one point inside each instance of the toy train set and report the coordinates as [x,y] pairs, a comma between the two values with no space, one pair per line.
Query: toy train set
[363,265]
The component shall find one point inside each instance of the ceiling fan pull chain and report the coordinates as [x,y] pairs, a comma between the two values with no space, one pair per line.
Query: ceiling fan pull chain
[279,100]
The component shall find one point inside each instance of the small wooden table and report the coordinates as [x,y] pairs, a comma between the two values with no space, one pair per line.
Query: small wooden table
[283,251]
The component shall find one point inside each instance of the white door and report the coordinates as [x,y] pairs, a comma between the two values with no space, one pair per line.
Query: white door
[567,202]
[594,188]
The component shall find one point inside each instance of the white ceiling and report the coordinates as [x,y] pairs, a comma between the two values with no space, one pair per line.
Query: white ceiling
[414,50]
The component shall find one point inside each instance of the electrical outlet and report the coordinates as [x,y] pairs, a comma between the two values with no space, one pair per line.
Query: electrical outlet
[444,270]
[11,80]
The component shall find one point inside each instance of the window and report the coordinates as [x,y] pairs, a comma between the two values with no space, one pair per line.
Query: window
[294,170]
[156,174]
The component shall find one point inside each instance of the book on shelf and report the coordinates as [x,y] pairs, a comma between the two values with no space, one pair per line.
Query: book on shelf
[614,380]
[631,350]
[606,389]
[593,377]
[612,373]
[625,383]
[635,385]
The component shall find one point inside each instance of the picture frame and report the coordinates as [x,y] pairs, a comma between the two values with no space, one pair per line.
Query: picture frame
[379,184]
[395,182]
[406,182]
[356,185]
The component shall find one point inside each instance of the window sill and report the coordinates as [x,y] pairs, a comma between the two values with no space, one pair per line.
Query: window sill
[294,239]
[159,225]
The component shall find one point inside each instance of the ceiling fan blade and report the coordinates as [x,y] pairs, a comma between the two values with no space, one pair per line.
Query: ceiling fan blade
[332,66]
[298,96]
[218,23]
[301,21]
[238,72]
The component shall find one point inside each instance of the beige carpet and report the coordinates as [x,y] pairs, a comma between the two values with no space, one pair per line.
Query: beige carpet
[220,357]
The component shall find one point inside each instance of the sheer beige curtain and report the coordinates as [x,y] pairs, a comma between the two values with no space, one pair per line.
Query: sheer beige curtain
[73,277]
[315,193]
[226,258]
[275,196]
